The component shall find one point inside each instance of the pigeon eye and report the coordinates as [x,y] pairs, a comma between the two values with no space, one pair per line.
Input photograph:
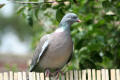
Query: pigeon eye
[74,17]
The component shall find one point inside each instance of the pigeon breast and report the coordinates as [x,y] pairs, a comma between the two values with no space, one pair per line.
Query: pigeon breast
[58,52]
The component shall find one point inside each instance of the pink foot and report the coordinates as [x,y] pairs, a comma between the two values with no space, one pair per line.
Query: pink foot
[58,73]
[47,72]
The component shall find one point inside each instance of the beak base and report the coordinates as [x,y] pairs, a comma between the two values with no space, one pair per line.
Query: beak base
[78,20]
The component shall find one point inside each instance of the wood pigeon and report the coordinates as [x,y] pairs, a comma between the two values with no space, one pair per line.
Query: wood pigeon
[55,50]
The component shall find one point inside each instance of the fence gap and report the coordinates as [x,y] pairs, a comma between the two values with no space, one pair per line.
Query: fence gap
[80,75]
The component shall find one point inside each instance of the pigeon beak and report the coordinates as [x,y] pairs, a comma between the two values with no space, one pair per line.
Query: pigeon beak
[78,20]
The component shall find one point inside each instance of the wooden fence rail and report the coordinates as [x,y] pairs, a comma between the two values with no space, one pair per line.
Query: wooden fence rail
[88,74]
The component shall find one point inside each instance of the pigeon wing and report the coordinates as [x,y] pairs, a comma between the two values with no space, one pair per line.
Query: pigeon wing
[40,50]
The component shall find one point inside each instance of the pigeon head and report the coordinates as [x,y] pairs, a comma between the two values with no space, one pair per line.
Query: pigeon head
[69,19]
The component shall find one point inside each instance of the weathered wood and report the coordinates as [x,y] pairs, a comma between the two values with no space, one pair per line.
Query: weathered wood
[117,74]
[98,74]
[89,74]
[112,74]
[93,74]
[5,76]
[83,74]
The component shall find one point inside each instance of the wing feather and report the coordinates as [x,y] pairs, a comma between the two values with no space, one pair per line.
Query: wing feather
[40,50]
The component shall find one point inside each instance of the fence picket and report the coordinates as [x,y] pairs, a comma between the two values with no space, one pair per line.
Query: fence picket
[63,77]
[5,76]
[118,74]
[67,76]
[98,74]
[47,78]
[71,75]
[37,76]
[15,76]
[33,75]
[112,74]
[103,74]
[30,76]
[93,74]
[19,76]
[24,76]
[107,74]
[75,75]
[11,75]
[1,76]
[89,74]
[83,74]
[42,76]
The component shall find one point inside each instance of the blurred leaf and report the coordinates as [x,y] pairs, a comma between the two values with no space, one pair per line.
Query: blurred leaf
[30,20]
[30,17]
[2,5]
[59,14]
[21,9]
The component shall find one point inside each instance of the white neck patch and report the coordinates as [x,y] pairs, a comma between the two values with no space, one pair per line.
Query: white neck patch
[60,30]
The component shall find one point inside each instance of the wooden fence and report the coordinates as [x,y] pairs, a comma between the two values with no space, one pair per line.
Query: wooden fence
[88,74]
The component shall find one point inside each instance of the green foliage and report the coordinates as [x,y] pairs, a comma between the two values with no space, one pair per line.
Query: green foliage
[96,39]
[11,67]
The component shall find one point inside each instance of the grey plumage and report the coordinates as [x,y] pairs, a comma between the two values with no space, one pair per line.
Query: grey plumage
[54,50]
